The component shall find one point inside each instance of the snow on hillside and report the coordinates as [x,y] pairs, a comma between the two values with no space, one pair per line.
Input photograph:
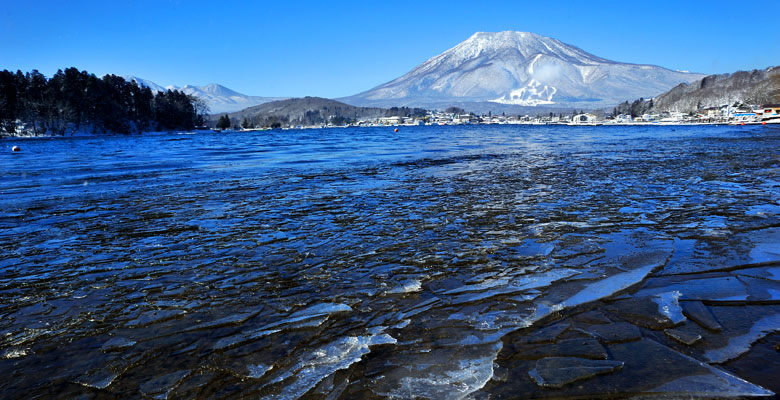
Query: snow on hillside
[521,68]
[143,82]
[219,98]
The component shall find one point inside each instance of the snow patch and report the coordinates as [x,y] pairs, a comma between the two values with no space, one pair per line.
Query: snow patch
[533,94]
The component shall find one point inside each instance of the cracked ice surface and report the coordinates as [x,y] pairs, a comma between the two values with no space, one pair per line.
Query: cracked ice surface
[438,262]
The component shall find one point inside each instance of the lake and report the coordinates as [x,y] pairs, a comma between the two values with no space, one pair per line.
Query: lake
[440,262]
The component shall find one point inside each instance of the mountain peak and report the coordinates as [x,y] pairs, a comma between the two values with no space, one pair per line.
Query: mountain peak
[521,68]
[502,35]
[219,98]
[217,89]
[525,44]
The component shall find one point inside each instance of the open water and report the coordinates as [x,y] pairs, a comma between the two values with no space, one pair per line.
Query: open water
[436,262]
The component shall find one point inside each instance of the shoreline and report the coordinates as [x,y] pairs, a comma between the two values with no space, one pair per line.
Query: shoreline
[107,134]
[230,131]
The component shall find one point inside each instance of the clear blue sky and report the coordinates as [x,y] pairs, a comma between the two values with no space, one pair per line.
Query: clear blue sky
[334,49]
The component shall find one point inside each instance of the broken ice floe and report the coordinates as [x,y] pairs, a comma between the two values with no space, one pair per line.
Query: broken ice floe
[770,273]
[320,363]
[496,287]
[257,370]
[117,343]
[102,377]
[242,337]
[577,347]
[160,387]
[449,379]
[556,372]
[616,332]
[409,286]
[641,311]
[685,338]
[234,319]
[724,288]
[546,335]
[658,369]
[154,316]
[609,286]
[741,344]
[309,317]
[701,314]
[14,352]
[669,306]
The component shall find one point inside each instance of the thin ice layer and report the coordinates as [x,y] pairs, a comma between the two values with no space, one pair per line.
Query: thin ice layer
[519,284]
[308,317]
[725,288]
[609,286]
[452,381]
[160,387]
[557,372]
[326,360]
[654,368]
[669,306]
[741,344]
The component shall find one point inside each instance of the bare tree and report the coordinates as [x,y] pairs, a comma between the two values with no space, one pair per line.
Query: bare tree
[201,108]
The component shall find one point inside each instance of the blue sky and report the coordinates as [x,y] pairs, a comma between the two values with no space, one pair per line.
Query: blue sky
[333,48]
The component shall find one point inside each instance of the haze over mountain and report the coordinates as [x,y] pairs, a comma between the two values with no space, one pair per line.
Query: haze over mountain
[520,69]
[219,98]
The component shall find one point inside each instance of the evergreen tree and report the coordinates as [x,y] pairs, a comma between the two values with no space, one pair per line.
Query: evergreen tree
[73,99]
[224,122]
[8,101]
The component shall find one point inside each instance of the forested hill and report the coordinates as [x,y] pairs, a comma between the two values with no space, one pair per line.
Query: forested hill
[757,87]
[77,101]
[308,111]
[750,87]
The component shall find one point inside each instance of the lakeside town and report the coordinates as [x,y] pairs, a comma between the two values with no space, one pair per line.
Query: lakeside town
[725,114]
[722,115]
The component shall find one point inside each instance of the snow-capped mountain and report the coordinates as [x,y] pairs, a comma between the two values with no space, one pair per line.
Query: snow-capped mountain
[523,69]
[143,82]
[219,98]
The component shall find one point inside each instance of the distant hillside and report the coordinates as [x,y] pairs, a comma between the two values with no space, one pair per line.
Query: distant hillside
[747,87]
[310,111]
[219,98]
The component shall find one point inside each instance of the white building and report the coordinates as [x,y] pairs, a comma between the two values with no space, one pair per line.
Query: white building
[584,119]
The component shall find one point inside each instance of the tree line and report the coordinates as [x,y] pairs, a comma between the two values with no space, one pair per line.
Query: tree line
[634,109]
[74,100]
[307,111]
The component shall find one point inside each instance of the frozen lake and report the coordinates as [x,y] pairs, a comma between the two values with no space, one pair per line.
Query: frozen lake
[437,262]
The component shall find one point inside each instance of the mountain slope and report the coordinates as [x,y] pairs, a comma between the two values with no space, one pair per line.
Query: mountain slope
[751,87]
[523,69]
[219,98]
[143,82]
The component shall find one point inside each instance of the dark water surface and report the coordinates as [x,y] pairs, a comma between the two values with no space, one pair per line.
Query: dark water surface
[437,262]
